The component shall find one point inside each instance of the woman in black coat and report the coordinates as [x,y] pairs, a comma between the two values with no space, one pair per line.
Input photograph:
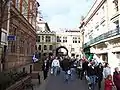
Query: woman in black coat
[99,69]
[45,68]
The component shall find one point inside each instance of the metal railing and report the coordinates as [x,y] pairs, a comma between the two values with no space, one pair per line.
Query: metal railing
[103,36]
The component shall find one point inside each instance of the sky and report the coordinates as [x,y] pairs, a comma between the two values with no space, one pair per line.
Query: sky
[64,13]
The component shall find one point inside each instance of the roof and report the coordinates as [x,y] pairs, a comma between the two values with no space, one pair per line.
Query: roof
[97,4]
[46,24]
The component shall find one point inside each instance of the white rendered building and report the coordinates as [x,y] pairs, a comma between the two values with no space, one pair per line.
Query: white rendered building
[46,40]
[102,32]
[71,40]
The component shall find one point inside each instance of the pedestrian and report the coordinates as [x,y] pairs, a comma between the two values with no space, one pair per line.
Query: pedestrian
[66,68]
[79,68]
[99,73]
[116,78]
[39,78]
[55,66]
[45,68]
[106,70]
[84,68]
[108,83]
[92,76]
[72,68]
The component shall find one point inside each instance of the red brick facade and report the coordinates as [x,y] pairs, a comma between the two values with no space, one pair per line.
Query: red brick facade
[20,51]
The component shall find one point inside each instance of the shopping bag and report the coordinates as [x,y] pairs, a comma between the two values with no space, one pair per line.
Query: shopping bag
[69,72]
[51,71]
[87,78]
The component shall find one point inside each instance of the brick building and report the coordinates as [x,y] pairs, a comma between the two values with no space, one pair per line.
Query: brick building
[22,25]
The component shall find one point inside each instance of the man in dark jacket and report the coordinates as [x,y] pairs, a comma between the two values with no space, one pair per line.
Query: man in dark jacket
[116,78]
[45,68]
[65,64]
[84,68]
[99,73]
[92,75]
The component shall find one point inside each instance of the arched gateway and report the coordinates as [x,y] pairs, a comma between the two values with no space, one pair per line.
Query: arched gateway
[61,53]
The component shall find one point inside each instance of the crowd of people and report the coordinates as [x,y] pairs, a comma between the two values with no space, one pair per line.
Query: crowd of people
[93,72]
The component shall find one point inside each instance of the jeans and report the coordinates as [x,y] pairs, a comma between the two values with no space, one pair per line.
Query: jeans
[73,73]
[93,81]
[79,72]
[66,76]
[55,70]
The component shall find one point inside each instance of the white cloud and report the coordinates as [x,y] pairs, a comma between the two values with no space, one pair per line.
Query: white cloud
[64,13]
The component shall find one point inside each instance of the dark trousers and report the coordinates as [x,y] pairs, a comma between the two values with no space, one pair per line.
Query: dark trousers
[99,84]
[82,74]
[45,73]
[79,73]
[99,80]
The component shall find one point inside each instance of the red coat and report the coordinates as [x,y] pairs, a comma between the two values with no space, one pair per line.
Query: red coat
[116,79]
[108,84]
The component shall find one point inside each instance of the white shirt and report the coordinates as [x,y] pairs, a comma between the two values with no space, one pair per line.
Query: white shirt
[55,63]
[106,72]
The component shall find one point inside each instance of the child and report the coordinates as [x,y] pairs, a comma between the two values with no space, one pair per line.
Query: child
[108,83]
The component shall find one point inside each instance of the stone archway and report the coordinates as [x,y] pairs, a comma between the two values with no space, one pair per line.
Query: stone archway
[58,53]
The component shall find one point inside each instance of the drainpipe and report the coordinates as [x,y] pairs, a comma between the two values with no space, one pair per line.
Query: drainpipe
[8,21]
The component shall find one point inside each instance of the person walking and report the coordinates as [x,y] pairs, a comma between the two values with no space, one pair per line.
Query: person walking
[92,76]
[106,70]
[84,68]
[99,70]
[65,64]
[45,68]
[79,68]
[73,68]
[55,66]
[108,83]
[116,78]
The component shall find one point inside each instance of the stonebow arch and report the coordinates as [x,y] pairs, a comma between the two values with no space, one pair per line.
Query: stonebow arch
[57,53]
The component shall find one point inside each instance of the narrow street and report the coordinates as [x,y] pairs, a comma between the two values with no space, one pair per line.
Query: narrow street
[57,83]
